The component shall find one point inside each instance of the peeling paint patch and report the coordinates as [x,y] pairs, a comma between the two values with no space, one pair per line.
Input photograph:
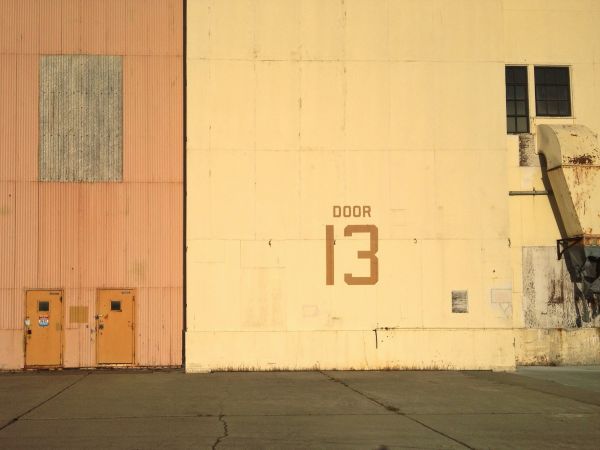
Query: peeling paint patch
[527,154]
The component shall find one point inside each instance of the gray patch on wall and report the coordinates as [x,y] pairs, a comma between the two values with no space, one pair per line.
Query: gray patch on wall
[549,299]
[460,302]
[527,155]
[81,118]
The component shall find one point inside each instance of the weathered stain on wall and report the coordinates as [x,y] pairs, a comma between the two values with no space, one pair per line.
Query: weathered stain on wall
[81,118]
[550,298]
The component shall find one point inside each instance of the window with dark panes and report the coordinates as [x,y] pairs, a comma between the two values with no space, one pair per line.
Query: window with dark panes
[552,91]
[517,108]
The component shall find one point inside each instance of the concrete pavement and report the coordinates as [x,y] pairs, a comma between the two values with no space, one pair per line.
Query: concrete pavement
[532,408]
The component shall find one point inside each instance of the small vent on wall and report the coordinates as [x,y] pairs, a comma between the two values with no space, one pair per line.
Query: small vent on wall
[460,301]
[78,314]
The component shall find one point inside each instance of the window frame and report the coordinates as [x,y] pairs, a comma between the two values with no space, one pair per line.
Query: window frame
[568,98]
[512,85]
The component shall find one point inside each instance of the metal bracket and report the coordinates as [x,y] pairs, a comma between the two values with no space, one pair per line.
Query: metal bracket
[562,245]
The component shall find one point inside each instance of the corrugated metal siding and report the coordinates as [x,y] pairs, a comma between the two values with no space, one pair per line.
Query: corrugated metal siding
[8,108]
[27,118]
[7,234]
[84,236]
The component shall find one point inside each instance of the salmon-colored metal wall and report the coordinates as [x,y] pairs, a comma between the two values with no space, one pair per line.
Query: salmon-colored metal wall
[83,236]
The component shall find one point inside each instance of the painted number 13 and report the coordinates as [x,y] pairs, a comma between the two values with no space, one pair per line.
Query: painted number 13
[370,254]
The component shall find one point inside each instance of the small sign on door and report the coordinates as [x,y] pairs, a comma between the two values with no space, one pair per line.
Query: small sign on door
[43,321]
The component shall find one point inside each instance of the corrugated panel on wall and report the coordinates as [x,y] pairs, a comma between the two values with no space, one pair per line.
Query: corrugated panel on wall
[7,234]
[177,324]
[26,243]
[28,31]
[175,162]
[11,309]
[8,26]
[27,117]
[135,117]
[50,245]
[156,327]
[67,204]
[92,222]
[116,236]
[93,27]
[8,108]
[71,27]
[158,116]
[138,16]
[138,238]
[116,27]
[158,228]
[50,26]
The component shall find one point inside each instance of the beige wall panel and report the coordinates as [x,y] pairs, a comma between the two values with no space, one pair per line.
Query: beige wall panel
[135,117]
[412,123]
[232,29]
[278,29]
[27,117]
[93,21]
[50,27]
[116,235]
[474,86]
[71,29]
[262,306]
[233,216]
[11,349]
[137,235]
[198,33]
[322,116]
[7,233]
[317,201]
[322,27]
[367,30]
[8,107]
[367,105]
[199,117]
[530,34]
[232,104]
[277,195]
[277,105]
[27,239]
[198,224]
[400,349]
[8,26]
[412,216]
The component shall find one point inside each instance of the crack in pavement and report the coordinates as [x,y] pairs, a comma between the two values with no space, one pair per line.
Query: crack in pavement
[16,419]
[394,409]
[225,431]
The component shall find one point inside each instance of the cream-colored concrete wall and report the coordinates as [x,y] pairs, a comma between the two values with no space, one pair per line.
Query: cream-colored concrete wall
[549,32]
[297,106]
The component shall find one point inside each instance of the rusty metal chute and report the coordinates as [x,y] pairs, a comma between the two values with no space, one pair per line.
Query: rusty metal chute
[573,166]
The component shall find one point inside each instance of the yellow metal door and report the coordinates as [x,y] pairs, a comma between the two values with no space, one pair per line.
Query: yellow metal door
[115,326]
[43,328]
